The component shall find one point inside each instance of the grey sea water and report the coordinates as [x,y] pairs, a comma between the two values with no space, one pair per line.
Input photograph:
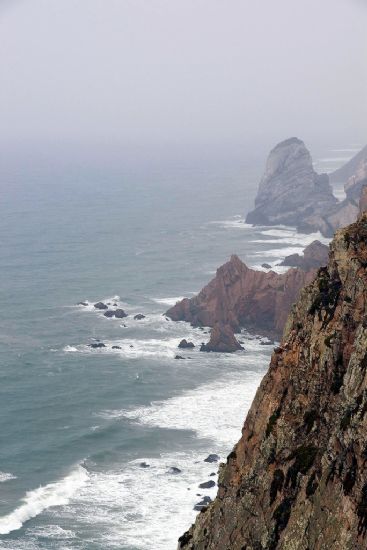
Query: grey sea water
[75,422]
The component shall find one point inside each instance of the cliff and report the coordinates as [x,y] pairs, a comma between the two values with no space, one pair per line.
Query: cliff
[242,297]
[297,478]
[349,169]
[291,192]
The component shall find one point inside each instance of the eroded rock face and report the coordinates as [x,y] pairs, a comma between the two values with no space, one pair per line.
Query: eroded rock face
[314,255]
[222,340]
[297,478]
[291,192]
[242,297]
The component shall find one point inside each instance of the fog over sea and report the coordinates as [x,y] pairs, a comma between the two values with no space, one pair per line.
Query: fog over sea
[76,422]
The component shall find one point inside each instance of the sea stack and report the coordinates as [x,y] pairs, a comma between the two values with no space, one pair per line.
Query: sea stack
[297,478]
[291,192]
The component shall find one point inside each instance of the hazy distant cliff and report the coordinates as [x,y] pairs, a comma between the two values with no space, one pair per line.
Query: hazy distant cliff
[291,192]
[297,479]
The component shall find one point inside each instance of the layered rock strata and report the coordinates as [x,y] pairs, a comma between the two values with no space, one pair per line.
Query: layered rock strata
[297,478]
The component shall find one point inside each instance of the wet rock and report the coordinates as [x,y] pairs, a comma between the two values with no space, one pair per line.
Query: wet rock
[97,345]
[144,465]
[207,484]
[82,304]
[109,313]
[266,266]
[139,317]
[212,458]
[212,474]
[179,357]
[222,339]
[120,313]
[184,344]
[202,504]
[116,347]
[174,470]
[100,305]
[267,343]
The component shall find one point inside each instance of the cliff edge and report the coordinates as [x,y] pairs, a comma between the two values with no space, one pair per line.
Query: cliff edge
[297,479]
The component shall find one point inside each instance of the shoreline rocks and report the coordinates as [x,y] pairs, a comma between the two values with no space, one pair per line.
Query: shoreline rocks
[314,255]
[222,340]
[184,344]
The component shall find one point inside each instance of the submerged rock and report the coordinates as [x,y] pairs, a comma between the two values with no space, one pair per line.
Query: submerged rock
[266,266]
[97,345]
[144,465]
[139,317]
[174,470]
[83,304]
[179,357]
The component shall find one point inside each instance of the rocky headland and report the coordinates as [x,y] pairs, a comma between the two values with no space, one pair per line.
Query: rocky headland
[291,192]
[239,296]
[297,478]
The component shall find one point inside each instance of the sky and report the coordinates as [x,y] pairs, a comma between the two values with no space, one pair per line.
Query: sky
[183,72]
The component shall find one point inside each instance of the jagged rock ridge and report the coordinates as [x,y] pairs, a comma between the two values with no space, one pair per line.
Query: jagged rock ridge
[242,297]
[297,479]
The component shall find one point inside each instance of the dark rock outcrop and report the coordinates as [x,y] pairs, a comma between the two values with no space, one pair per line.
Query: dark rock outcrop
[222,340]
[184,344]
[139,317]
[314,255]
[242,297]
[118,313]
[100,305]
[291,192]
[97,345]
[297,478]
[212,458]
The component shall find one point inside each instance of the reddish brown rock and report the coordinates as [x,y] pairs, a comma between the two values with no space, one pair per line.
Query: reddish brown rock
[242,297]
[222,340]
[297,479]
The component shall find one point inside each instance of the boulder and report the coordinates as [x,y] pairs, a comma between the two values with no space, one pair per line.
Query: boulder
[120,313]
[97,345]
[184,344]
[179,357]
[207,484]
[116,347]
[212,458]
[174,470]
[266,266]
[100,305]
[109,313]
[144,465]
[222,339]
[139,317]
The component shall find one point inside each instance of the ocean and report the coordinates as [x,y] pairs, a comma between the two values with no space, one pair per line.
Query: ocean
[104,448]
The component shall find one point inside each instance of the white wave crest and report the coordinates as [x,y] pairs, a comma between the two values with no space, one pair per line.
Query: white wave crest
[4,476]
[38,500]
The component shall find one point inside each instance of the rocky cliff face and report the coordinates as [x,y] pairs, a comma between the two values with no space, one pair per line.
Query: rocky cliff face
[297,479]
[291,192]
[242,297]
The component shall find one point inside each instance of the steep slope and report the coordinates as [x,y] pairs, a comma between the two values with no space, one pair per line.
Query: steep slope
[291,192]
[297,479]
[349,169]
[242,297]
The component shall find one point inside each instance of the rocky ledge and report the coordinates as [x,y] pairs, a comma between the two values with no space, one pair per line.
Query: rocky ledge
[314,255]
[291,192]
[242,297]
[297,479]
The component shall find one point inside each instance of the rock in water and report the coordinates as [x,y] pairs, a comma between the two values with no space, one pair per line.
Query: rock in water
[291,192]
[222,339]
[242,297]
[297,478]
[184,344]
[314,255]
[212,458]
[100,305]
[139,317]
